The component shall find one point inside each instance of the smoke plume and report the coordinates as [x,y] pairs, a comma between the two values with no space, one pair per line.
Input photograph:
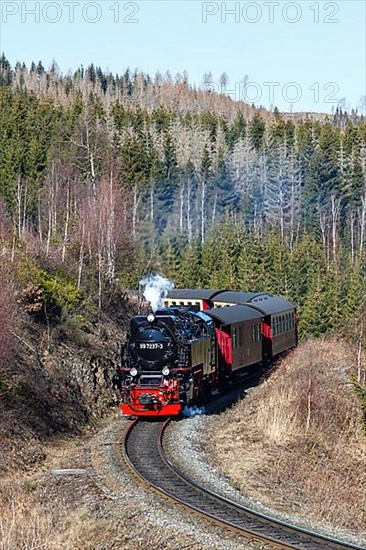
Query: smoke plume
[156,288]
[190,412]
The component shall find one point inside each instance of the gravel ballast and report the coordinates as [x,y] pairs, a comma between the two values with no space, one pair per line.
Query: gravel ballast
[194,461]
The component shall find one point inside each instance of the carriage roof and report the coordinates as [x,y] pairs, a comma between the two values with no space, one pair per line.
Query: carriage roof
[267,304]
[194,294]
[234,314]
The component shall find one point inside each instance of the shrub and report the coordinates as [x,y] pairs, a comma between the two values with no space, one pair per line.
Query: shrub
[48,295]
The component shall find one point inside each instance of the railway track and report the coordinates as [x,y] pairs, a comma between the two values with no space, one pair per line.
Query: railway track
[144,452]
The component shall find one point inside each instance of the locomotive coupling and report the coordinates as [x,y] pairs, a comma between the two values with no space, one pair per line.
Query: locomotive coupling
[148,399]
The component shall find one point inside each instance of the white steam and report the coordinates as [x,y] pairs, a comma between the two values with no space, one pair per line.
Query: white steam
[190,412]
[156,288]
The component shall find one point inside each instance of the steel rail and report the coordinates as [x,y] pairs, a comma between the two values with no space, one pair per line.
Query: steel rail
[144,452]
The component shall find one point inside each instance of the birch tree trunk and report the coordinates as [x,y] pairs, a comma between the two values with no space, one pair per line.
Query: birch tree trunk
[40,231]
[110,222]
[19,206]
[189,220]
[66,231]
[352,230]
[323,228]
[25,200]
[152,201]
[181,208]
[81,257]
[362,219]
[134,211]
[214,209]
[335,205]
[203,199]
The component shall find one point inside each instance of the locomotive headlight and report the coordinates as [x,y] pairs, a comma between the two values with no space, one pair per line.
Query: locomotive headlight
[133,372]
[166,371]
[151,317]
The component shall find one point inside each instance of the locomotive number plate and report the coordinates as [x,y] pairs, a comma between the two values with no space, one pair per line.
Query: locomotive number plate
[151,345]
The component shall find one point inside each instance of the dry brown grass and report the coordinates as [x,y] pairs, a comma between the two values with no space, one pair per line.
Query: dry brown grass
[296,442]
[23,524]
[28,523]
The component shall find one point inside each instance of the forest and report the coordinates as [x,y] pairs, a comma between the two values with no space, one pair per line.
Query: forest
[104,178]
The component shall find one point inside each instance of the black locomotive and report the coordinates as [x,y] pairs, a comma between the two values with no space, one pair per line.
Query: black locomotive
[177,355]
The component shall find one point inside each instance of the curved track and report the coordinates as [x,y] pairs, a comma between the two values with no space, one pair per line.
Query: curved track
[143,448]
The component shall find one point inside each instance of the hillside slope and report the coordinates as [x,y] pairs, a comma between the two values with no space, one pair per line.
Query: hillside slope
[55,382]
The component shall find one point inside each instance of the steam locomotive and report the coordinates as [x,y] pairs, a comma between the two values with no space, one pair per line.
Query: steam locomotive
[178,355]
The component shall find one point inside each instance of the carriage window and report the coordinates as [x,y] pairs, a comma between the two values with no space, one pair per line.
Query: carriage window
[256,333]
[288,322]
[234,337]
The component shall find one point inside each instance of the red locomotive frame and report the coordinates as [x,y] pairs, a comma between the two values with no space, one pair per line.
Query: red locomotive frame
[163,400]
